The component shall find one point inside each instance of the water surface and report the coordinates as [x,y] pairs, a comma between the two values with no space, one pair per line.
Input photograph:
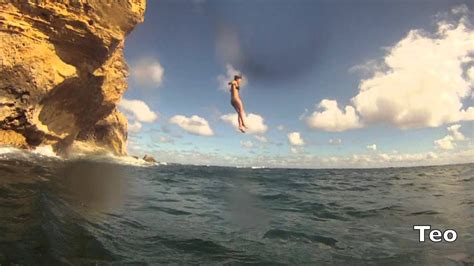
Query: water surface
[96,212]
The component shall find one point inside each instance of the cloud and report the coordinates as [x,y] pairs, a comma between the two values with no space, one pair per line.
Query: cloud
[367,68]
[372,147]
[294,138]
[262,139]
[229,76]
[191,155]
[382,159]
[470,74]
[165,139]
[303,115]
[138,110]
[134,127]
[448,141]
[454,131]
[335,141]
[147,72]
[254,122]
[195,125]
[460,9]
[247,144]
[281,127]
[426,92]
[331,118]
[445,143]
[294,149]
[420,82]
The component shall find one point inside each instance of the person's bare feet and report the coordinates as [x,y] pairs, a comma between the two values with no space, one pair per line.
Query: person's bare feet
[242,129]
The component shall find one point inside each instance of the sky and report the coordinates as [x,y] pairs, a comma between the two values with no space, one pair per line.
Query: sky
[327,84]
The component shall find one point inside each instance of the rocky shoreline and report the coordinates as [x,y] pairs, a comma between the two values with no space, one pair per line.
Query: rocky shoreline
[62,72]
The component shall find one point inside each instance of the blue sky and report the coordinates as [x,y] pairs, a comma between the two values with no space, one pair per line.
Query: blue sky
[295,56]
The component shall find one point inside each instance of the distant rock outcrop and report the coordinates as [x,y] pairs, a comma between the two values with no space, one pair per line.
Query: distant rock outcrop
[62,71]
[149,158]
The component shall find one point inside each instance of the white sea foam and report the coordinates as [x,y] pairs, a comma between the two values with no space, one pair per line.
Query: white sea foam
[84,153]
[111,158]
[45,150]
[129,160]
[8,152]
[7,149]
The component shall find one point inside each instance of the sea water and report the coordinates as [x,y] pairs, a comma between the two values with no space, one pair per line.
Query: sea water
[91,211]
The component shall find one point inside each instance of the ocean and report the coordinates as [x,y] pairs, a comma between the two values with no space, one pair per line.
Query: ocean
[99,211]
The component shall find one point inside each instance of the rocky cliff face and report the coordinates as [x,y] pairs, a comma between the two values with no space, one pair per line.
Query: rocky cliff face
[62,71]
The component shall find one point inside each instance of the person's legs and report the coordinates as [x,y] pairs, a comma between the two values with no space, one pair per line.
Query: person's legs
[241,113]
[239,118]
[241,126]
[239,108]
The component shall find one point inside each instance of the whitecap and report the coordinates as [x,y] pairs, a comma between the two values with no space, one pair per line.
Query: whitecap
[45,150]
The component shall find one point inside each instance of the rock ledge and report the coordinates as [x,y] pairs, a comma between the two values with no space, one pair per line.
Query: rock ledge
[62,72]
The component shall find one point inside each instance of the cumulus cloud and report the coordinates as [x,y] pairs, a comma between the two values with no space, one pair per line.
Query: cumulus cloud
[372,147]
[331,118]
[134,126]
[306,160]
[454,131]
[165,139]
[426,92]
[295,139]
[368,67]
[137,113]
[229,76]
[138,110]
[448,141]
[262,139]
[383,159]
[254,122]
[247,144]
[445,143]
[294,149]
[195,125]
[460,10]
[420,82]
[147,72]
[470,74]
[335,141]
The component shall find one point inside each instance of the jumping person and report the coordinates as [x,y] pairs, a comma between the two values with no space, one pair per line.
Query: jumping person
[237,102]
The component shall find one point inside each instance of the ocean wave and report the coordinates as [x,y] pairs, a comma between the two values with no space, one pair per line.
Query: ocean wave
[292,235]
[47,151]
[12,153]
[110,158]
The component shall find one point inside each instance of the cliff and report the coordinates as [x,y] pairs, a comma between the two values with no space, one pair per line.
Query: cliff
[62,71]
